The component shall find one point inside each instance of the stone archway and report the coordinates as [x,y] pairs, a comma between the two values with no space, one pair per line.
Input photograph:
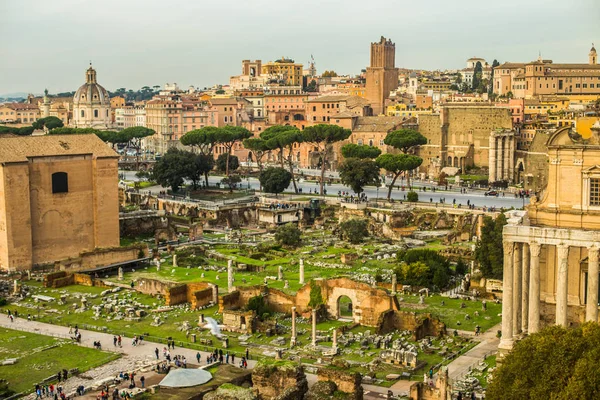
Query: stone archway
[344,307]
[337,299]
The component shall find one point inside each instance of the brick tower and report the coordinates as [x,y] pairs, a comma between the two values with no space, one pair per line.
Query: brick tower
[382,74]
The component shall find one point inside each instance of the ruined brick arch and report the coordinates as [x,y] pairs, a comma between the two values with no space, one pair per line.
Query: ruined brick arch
[333,302]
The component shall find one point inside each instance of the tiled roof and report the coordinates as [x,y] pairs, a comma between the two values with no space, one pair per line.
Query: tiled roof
[20,148]
[21,106]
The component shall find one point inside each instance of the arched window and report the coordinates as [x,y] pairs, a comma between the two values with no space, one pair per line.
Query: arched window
[60,182]
[95,113]
[82,113]
[107,113]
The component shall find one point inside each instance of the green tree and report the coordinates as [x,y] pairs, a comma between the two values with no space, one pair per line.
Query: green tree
[477,74]
[354,230]
[225,162]
[199,165]
[74,131]
[283,138]
[495,64]
[555,363]
[49,123]
[170,170]
[328,73]
[228,136]
[322,137]
[352,150]
[257,304]
[415,273]
[220,91]
[275,180]
[311,87]
[23,131]
[438,272]
[316,297]
[489,252]
[358,173]
[288,235]
[397,164]
[259,149]
[202,140]
[405,139]
[231,181]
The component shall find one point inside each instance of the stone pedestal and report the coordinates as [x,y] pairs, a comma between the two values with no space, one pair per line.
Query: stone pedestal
[394,284]
[120,273]
[314,327]
[301,272]
[294,335]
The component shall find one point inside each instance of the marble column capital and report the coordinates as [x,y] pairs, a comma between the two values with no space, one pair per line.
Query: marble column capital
[509,248]
[534,249]
[593,253]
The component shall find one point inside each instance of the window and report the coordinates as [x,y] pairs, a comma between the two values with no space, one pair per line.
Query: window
[82,113]
[95,113]
[60,182]
[595,192]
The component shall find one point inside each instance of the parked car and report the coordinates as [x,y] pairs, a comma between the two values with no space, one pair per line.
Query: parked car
[491,193]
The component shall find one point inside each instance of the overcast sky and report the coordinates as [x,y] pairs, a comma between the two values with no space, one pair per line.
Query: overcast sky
[132,43]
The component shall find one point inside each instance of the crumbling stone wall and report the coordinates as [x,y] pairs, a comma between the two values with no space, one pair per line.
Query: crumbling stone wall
[63,278]
[101,257]
[346,382]
[272,380]
[421,325]
[239,298]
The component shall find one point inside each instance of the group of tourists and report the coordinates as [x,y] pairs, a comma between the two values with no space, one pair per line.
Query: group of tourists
[50,391]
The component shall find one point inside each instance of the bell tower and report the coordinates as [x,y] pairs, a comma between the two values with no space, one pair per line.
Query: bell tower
[593,56]
[382,74]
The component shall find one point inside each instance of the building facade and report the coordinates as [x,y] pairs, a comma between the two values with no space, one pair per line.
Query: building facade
[382,74]
[20,113]
[285,71]
[59,197]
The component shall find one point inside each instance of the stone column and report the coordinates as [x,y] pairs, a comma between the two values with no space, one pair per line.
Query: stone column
[301,280]
[16,287]
[534,288]
[517,282]
[293,340]
[334,344]
[175,260]
[511,158]
[394,284]
[492,157]
[215,294]
[562,281]
[280,273]
[500,159]
[507,297]
[229,276]
[591,308]
[525,290]
[314,327]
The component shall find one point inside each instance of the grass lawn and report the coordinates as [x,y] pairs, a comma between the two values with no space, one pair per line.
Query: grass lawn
[451,313]
[42,356]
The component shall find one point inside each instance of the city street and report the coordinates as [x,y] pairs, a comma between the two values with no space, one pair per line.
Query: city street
[475,197]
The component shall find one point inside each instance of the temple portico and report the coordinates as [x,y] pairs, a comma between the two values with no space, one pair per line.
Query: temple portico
[551,267]
[502,156]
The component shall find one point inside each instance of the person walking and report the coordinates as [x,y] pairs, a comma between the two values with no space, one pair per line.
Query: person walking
[247,354]
[142,380]
[119,341]
[115,341]
[198,357]
[156,352]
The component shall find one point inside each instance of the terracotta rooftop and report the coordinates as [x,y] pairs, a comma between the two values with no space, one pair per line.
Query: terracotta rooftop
[21,106]
[351,101]
[20,148]
[510,65]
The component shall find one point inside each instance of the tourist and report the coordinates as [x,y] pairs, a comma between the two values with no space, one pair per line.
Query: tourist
[198,357]
[115,394]
[142,380]
[247,354]
[115,341]
[119,340]
[156,352]
[11,318]
[233,358]
[227,358]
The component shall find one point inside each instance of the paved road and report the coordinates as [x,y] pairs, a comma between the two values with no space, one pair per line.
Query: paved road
[475,197]
[489,344]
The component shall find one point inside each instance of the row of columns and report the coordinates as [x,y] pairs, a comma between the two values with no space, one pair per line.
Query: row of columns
[521,289]
[501,157]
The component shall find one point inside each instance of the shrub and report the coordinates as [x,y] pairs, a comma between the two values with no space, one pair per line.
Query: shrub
[316,298]
[288,235]
[412,196]
[354,230]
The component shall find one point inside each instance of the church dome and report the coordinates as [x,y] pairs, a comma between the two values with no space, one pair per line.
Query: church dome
[91,92]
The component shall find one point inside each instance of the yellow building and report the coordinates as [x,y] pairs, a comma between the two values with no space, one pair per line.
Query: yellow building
[284,70]
[544,77]
[59,198]
[20,113]
[401,110]
[551,252]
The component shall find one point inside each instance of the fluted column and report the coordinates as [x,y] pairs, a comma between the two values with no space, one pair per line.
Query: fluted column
[534,287]
[492,161]
[562,280]
[293,339]
[499,158]
[314,327]
[511,158]
[591,308]
[525,289]
[517,288]
[507,296]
